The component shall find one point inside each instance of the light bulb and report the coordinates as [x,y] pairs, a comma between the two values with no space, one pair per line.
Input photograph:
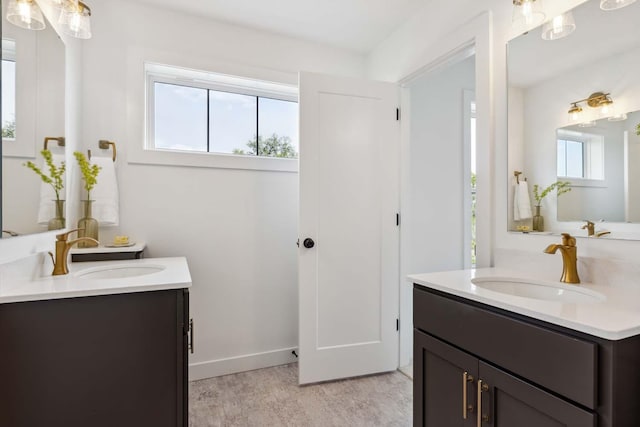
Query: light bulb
[527,13]
[24,9]
[74,22]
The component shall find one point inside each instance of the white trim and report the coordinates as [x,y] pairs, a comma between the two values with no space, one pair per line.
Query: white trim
[468,97]
[474,36]
[247,362]
[177,75]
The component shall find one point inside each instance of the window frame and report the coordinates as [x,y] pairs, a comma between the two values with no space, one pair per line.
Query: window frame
[173,75]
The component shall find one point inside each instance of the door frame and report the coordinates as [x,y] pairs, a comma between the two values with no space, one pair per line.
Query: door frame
[473,38]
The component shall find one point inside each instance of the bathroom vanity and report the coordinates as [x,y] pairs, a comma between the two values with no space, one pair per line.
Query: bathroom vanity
[486,358]
[105,345]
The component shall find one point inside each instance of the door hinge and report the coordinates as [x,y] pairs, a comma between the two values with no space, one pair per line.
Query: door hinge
[397,114]
[398,220]
[397,324]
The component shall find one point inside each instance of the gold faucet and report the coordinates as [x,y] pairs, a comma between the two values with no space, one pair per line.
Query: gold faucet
[569,258]
[60,265]
[590,227]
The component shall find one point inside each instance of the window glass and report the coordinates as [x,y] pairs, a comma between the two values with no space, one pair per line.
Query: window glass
[180,117]
[278,128]
[562,157]
[8,99]
[232,123]
[575,159]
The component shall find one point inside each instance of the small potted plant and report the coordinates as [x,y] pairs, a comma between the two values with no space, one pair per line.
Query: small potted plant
[87,224]
[561,187]
[56,180]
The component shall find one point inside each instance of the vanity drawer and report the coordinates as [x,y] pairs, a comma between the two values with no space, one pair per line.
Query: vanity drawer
[552,360]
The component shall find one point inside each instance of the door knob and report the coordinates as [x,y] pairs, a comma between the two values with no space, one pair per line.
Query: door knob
[309,243]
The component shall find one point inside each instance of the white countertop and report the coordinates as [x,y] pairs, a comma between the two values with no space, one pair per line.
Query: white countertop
[615,318]
[175,275]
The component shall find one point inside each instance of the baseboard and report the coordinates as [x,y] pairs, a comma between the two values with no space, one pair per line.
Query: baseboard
[248,362]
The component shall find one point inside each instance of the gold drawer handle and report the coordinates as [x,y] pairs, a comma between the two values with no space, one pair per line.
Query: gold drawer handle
[482,387]
[466,408]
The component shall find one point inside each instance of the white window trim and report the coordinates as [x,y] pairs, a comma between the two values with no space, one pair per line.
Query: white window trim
[146,153]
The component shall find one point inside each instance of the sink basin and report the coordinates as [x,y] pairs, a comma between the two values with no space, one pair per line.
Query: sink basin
[119,271]
[539,290]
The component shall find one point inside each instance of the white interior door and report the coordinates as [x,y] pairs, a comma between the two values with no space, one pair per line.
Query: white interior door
[349,198]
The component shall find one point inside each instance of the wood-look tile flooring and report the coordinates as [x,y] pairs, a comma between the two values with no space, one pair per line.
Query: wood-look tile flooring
[272,397]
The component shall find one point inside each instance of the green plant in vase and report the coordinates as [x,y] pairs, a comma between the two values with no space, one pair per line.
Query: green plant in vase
[87,224]
[638,129]
[561,187]
[56,180]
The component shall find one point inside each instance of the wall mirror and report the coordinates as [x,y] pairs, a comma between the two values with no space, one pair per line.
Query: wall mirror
[574,96]
[33,108]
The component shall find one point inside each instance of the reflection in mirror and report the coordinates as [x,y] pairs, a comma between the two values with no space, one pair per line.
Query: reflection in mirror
[570,100]
[33,106]
[603,165]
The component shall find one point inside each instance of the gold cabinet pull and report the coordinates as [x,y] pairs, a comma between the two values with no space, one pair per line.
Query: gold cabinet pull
[466,408]
[482,387]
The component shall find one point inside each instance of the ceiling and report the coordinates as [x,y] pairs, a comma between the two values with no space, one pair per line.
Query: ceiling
[357,25]
[598,35]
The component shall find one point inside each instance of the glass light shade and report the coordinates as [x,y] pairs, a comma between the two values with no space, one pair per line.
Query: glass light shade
[606,108]
[527,13]
[76,21]
[614,4]
[559,27]
[575,113]
[25,14]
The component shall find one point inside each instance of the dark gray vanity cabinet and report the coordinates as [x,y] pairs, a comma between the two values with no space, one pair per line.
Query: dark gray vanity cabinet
[101,361]
[500,369]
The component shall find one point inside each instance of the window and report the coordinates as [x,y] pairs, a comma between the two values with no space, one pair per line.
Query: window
[580,155]
[192,111]
[8,89]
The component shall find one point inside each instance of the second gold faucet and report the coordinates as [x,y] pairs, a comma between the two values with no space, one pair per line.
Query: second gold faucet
[60,264]
[569,253]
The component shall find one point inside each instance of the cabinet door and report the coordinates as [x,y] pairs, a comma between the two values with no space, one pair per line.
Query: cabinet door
[441,376]
[509,401]
[104,361]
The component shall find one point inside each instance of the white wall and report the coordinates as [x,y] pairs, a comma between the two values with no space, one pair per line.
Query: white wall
[237,228]
[434,213]
[406,49]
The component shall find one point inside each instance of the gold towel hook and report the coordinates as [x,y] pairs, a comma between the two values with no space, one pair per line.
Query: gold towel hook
[59,139]
[104,144]
[517,175]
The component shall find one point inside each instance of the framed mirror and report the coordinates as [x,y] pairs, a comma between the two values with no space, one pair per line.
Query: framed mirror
[574,101]
[33,108]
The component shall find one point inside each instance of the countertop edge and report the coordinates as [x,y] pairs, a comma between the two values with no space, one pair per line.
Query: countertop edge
[545,317]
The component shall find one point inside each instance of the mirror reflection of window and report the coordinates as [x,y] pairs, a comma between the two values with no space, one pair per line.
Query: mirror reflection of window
[580,155]
[8,89]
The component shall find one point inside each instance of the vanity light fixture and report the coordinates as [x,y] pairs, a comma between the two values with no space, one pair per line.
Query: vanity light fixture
[614,4]
[559,27]
[527,13]
[75,18]
[595,100]
[25,14]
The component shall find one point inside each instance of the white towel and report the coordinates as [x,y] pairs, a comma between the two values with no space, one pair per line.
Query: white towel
[47,209]
[106,207]
[521,202]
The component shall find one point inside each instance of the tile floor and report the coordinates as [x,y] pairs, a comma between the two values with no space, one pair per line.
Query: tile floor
[272,397]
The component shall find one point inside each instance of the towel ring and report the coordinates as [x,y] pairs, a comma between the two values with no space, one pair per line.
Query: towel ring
[104,144]
[59,139]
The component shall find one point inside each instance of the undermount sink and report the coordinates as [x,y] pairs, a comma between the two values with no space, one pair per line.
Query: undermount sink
[539,290]
[119,271]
